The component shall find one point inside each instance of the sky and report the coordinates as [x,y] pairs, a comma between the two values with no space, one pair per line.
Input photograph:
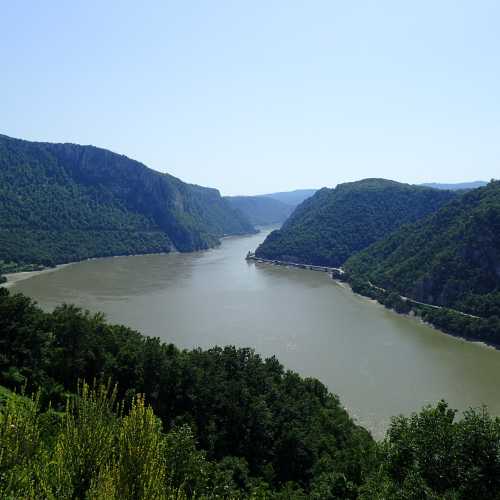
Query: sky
[261,96]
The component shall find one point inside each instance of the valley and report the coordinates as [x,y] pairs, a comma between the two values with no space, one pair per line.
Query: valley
[379,363]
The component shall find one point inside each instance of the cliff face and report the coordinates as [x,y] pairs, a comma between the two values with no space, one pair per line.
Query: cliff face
[62,202]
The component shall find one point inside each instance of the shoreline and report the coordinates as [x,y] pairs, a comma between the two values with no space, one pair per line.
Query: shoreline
[417,317]
[346,285]
[412,315]
[15,277]
[18,276]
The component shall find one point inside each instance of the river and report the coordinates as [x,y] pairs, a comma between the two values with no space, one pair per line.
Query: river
[379,363]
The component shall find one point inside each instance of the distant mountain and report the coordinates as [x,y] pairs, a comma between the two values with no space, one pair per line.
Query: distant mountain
[329,227]
[457,186]
[268,209]
[261,210]
[292,198]
[65,202]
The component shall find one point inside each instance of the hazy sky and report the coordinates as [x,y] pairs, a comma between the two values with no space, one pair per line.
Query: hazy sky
[260,96]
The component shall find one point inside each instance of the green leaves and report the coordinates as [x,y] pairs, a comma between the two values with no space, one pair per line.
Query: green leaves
[432,454]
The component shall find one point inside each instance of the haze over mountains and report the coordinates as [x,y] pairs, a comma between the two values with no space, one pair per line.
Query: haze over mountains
[275,208]
[292,198]
[270,209]
[456,186]
[260,210]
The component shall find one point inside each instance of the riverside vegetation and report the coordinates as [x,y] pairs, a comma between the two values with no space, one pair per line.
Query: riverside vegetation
[221,423]
[450,259]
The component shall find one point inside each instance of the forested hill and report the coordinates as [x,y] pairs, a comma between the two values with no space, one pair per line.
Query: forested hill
[449,259]
[64,202]
[329,227]
[261,210]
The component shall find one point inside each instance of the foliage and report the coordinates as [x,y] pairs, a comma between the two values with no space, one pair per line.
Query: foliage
[221,423]
[97,451]
[267,427]
[431,455]
[332,225]
[65,202]
[450,259]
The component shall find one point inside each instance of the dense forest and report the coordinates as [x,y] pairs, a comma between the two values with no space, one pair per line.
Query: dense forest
[65,202]
[261,210]
[329,227]
[450,259]
[158,422]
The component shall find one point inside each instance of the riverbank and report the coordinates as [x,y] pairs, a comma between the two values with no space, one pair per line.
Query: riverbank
[446,320]
[415,316]
[335,272]
[449,321]
[16,277]
[363,352]
[34,270]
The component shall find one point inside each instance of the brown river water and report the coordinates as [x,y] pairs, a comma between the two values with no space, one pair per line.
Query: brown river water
[379,363]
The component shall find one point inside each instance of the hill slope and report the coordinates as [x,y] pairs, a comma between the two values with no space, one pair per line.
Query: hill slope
[329,227]
[450,259]
[64,202]
[261,210]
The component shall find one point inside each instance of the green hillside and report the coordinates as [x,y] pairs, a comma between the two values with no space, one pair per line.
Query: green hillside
[329,227]
[65,202]
[449,259]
